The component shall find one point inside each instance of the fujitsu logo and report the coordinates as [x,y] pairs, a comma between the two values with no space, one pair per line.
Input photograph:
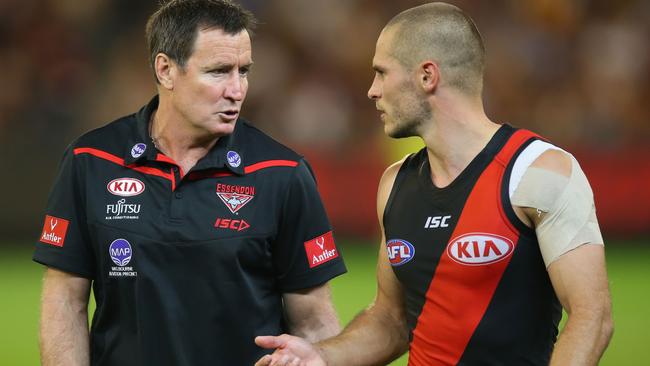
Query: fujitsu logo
[121,207]
[125,187]
[475,249]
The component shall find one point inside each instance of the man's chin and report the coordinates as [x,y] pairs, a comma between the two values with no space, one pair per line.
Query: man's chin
[399,133]
[224,128]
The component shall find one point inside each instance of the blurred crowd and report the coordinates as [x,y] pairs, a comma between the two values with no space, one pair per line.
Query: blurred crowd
[578,72]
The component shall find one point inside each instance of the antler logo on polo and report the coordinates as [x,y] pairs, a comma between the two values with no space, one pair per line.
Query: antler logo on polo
[475,249]
[125,187]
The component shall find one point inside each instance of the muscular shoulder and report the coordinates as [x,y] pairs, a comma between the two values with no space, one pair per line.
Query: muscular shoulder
[386,185]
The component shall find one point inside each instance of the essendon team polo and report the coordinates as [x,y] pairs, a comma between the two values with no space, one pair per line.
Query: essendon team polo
[187,267]
[476,288]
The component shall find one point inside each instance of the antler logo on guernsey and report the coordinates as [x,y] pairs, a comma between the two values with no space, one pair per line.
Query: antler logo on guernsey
[125,187]
[475,249]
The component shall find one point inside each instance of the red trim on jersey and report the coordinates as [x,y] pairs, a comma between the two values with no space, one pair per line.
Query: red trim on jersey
[268,164]
[247,170]
[170,176]
[119,161]
[459,294]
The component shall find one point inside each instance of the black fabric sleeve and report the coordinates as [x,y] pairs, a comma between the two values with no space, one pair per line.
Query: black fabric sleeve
[304,254]
[68,250]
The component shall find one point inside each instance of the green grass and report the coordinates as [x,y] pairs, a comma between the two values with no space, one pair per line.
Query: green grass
[628,267]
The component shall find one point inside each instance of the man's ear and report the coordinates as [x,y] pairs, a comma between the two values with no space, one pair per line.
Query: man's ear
[429,74]
[165,69]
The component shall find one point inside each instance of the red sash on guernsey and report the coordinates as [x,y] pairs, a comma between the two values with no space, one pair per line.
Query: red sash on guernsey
[459,294]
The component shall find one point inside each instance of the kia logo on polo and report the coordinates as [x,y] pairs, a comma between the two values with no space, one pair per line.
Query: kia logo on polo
[125,187]
[475,249]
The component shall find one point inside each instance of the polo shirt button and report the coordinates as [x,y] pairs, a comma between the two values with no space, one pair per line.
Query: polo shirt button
[178,195]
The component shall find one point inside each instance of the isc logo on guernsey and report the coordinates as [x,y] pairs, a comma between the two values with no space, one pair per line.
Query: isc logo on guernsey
[399,251]
[475,249]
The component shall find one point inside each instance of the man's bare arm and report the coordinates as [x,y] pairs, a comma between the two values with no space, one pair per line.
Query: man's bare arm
[310,313]
[578,275]
[376,336]
[580,282]
[64,336]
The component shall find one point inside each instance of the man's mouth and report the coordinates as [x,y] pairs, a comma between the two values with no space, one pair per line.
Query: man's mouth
[229,114]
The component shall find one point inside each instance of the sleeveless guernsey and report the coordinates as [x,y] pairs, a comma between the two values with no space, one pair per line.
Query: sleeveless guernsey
[476,289]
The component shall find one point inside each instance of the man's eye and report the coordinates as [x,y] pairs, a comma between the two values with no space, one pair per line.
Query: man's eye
[244,71]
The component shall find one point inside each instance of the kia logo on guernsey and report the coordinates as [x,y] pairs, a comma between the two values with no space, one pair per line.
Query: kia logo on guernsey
[138,149]
[125,187]
[234,160]
[475,249]
[121,252]
[399,251]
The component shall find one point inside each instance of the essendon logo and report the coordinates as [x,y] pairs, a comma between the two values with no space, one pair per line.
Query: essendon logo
[234,201]
[321,249]
[476,249]
[125,187]
[237,225]
[54,230]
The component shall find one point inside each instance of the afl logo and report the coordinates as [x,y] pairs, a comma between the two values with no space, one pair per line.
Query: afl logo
[399,251]
[475,249]
[125,187]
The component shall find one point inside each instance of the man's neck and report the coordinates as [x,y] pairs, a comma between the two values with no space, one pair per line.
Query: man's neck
[455,138]
[184,145]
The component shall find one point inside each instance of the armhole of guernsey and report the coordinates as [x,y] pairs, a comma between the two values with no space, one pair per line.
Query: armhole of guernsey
[526,155]
[393,191]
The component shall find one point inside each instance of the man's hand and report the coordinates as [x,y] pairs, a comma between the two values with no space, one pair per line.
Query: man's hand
[289,351]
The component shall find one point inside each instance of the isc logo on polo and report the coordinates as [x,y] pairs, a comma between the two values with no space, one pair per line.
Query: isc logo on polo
[475,249]
[237,225]
[125,187]
[399,251]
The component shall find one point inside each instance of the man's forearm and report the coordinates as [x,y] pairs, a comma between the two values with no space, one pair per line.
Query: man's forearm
[583,340]
[372,338]
[64,335]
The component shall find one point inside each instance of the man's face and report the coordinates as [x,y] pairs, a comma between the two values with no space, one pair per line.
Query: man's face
[209,91]
[396,93]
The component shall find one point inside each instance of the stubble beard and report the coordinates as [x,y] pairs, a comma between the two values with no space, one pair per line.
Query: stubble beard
[409,126]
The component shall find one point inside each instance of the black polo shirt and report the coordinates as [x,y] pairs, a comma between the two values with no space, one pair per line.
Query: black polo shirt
[187,268]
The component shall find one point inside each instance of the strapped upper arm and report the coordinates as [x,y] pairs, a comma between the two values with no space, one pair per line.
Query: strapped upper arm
[555,195]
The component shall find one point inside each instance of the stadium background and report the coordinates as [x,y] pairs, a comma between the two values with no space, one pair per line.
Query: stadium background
[578,72]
